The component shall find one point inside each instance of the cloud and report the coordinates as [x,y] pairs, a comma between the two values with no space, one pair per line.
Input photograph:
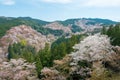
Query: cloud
[7,2]
[102,3]
[58,1]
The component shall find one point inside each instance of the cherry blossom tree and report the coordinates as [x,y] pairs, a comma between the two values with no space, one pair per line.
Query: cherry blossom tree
[94,47]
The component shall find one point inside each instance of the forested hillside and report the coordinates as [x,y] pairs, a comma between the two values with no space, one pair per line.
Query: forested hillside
[114,33]
[61,28]
[8,22]
[45,57]
[91,21]
[60,50]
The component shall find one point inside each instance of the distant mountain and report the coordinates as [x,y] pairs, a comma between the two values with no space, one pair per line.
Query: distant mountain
[56,28]
[88,21]
[7,22]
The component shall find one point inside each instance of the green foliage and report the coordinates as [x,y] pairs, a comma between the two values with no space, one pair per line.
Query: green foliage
[45,55]
[8,23]
[104,30]
[38,64]
[58,51]
[18,50]
[23,42]
[84,63]
[63,46]
[68,21]
[46,31]
[93,21]
[76,28]
[114,33]
[22,50]
[90,21]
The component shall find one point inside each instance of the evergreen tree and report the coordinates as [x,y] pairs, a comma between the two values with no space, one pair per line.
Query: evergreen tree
[104,31]
[20,50]
[114,33]
[110,31]
[45,55]
[10,52]
[38,64]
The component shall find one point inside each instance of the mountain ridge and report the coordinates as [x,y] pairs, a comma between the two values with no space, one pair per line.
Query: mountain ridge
[45,27]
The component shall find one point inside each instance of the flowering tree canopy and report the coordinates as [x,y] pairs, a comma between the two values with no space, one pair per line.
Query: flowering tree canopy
[95,47]
[17,69]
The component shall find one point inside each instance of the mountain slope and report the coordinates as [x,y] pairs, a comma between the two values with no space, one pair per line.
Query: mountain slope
[88,21]
[56,28]
[7,22]
[24,34]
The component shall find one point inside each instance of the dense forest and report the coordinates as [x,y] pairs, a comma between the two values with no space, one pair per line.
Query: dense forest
[113,32]
[45,57]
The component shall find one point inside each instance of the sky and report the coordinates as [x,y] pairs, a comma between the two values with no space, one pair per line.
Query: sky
[51,10]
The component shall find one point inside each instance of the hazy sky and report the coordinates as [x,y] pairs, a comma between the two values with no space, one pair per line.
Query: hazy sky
[61,9]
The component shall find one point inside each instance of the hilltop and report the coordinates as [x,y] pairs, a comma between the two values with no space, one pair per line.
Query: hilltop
[24,34]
